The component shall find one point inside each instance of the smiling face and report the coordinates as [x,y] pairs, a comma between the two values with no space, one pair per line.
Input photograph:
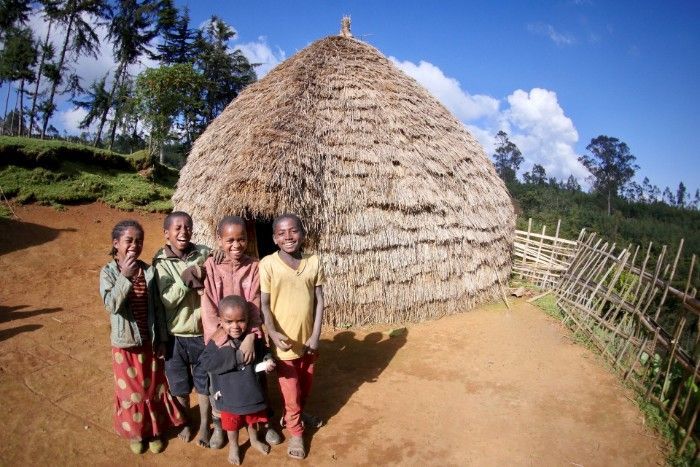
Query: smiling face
[129,243]
[179,233]
[288,236]
[234,321]
[233,240]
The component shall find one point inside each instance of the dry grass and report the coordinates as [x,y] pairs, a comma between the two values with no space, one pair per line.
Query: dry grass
[400,200]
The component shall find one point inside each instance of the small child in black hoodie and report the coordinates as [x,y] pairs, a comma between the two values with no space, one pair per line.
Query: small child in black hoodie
[237,391]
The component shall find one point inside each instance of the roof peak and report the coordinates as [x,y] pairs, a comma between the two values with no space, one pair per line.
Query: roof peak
[345,27]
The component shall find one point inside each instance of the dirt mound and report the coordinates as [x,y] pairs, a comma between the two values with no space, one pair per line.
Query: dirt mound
[488,387]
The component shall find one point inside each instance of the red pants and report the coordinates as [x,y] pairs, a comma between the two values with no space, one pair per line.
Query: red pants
[234,422]
[295,377]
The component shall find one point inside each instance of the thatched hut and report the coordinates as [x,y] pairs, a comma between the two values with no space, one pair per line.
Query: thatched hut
[402,204]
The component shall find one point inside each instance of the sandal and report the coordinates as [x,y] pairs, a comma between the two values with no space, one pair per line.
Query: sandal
[272,437]
[136,446]
[311,421]
[295,448]
[155,445]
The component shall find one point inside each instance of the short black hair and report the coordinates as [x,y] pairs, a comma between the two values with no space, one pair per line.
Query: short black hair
[229,220]
[234,301]
[169,218]
[288,215]
[121,227]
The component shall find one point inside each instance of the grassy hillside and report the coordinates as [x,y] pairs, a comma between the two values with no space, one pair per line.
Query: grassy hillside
[58,173]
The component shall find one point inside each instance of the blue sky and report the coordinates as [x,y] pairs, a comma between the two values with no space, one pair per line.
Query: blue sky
[553,74]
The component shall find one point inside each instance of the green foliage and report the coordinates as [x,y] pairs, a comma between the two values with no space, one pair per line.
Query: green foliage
[78,174]
[548,304]
[507,158]
[630,223]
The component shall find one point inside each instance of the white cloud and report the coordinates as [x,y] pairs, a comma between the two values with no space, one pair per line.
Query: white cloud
[261,53]
[447,90]
[547,30]
[534,120]
[70,120]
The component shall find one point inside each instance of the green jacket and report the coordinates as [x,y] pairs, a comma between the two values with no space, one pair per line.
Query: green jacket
[182,305]
[114,289]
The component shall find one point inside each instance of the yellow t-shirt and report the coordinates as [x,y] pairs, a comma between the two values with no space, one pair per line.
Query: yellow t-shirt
[291,298]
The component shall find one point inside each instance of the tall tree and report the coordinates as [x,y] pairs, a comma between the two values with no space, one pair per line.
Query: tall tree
[13,13]
[77,16]
[681,194]
[163,94]
[47,55]
[507,158]
[611,164]
[177,45]
[17,58]
[133,25]
[668,197]
[696,200]
[572,184]
[538,176]
[226,71]
[96,102]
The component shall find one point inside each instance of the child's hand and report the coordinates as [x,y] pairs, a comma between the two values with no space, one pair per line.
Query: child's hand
[247,348]
[311,345]
[160,350]
[218,256]
[280,340]
[270,365]
[128,265]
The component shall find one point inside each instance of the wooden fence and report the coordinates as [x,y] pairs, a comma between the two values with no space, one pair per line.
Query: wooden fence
[622,301]
[540,258]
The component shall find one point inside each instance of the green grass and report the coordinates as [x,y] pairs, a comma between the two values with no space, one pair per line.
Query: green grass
[548,304]
[58,173]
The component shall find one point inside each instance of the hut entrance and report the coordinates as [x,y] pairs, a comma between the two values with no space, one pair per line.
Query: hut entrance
[260,242]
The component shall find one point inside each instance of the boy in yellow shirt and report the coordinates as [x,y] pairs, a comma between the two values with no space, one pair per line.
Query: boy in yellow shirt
[291,285]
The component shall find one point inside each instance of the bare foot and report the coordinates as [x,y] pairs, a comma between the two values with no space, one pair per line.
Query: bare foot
[217,439]
[295,449]
[185,434]
[204,435]
[260,446]
[234,454]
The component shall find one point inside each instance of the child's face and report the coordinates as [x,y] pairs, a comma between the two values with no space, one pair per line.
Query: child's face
[179,233]
[288,236]
[234,321]
[130,243]
[233,240]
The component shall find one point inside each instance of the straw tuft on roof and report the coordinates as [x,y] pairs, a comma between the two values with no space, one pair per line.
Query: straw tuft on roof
[400,201]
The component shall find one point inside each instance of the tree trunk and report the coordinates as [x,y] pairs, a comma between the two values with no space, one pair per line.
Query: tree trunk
[103,117]
[161,157]
[62,58]
[21,107]
[32,113]
[609,196]
[7,101]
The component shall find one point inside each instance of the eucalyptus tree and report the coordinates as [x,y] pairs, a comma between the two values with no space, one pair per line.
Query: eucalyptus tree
[78,18]
[226,71]
[133,25]
[17,58]
[611,164]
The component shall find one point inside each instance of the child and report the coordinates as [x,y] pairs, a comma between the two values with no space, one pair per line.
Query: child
[237,389]
[237,274]
[292,303]
[180,278]
[143,406]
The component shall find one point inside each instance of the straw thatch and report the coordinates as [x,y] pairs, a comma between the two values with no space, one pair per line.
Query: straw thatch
[406,211]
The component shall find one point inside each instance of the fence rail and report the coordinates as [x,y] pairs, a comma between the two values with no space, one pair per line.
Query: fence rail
[622,301]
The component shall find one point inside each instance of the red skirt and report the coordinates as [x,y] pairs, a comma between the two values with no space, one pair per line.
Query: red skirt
[143,406]
[234,422]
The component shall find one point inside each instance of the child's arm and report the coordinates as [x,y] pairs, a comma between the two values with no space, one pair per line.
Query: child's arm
[311,345]
[172,291]
[210,300]
[216,359]
[279,339]
[114,290]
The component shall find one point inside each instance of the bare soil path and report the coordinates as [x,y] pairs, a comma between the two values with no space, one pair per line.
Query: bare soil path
[488,387]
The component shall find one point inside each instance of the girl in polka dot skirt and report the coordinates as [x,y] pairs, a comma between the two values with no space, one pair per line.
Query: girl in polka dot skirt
[144,407]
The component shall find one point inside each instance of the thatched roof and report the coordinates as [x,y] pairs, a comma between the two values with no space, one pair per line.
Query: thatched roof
[406,210]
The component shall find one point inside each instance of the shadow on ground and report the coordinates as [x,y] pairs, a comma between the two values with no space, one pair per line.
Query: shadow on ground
[17,235]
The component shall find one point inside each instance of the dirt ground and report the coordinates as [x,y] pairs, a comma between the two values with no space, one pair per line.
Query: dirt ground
[488,387]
